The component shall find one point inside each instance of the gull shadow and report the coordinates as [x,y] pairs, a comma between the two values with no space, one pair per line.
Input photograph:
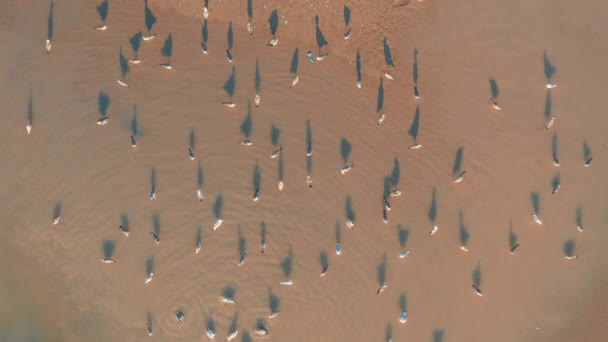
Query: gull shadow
[51,21]
[464,232]
[309,164]
[230,36]
[388,332]
[338,232]
[205,31]
[295,60]
[200,175]
[386,187]
[438,335]
[124,65]
[263,231]
[380,100]
[134,122]
[230,84]
[556,180]
[30,109]
[149,264]
[57,210]
[156,224]
[433,209]
[345,149]
[102,10]
[257,177]
[548,105]
[569,248]
[210,324]
[250,9]
[199,235]
[218,206]
[358,66]
[396,173]
[535,198]
[242,241]
[554,141]
[388,57]
[476,275]
[512,236]
[281,167]
[149,16]
[275,134]
[458,160]
[246,337]
[404,235]
[586,151]
[494,88]
[308,131]
[258,77]
[108,247]
[287,263]
[247,123]
[579,215]
[167,49]
[350,212]
[229,291]
[234,323]
[125,222]
[273,21]
[321,41]
[153,178]
[415,68]
[381,271]
[103,103]
[135,42]
[346,15]
[550,69]
[323,259]
[402,302]
[273,301]
[192,138]
[415,124]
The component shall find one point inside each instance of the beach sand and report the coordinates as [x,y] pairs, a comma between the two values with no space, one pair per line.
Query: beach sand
[56,289]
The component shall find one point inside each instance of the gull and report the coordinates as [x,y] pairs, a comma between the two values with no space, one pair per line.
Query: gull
[477,290]
[276,153]
[550,122]
[242,259]
[256,195]
[232,335]
[133,142]
[167,66]
[346,168]
[460,177]
[324,270]
[350,224]
[250,28]
[434,229]
[246,142]
[514,248]
[404,254]
[200,195]
[229,104]
[494,103]
[347,33]
[107,260]
[281,185]
[102,121]
[464,248]
[309,181]
[56,220]
[295,80]
[394,193]
[555,160]
[198,247]
[387,205]
[415,146]
[180,316]
[156,238]
[550,85]
[48,46]
[122,83]
[588,161]
[384,216]
[217,224]
[338,248]
[536,218]
[227,299]
[190,153]
[287,282]
[381,118]
[101,27]
[381,288]
[149,277]
[124,230]
[273,42]
[389,76]
[258,98]
[416,92]
[28,126]
[210,333]
[403,317]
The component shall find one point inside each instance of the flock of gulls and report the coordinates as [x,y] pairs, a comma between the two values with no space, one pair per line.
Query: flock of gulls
[261,328]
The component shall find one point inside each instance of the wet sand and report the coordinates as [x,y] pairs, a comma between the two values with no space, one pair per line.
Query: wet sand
[66,294]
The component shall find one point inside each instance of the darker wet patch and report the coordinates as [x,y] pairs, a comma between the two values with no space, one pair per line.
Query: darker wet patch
[415,127]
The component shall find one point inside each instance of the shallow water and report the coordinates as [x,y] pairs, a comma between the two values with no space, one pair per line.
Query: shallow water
[62,292]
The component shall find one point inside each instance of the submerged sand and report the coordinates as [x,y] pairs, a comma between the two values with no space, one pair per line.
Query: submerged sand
[56,289]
